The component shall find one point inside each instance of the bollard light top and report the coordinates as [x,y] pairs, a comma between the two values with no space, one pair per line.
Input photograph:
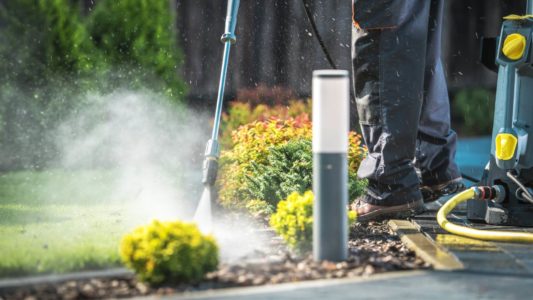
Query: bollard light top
[331,73]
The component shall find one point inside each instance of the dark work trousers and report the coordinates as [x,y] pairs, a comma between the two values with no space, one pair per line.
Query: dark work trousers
[402,98]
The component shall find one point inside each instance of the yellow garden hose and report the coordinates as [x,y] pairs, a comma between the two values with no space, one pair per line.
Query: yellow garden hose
[487,235]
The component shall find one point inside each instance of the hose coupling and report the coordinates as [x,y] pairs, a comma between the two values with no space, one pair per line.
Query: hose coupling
[495,193]
[229,37]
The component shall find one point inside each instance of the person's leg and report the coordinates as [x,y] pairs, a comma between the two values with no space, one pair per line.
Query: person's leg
[389,50]
[436,142]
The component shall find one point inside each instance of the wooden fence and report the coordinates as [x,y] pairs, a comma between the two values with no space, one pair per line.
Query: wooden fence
[276,47]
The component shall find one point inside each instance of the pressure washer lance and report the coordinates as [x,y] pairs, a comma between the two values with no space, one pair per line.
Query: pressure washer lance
[212,151]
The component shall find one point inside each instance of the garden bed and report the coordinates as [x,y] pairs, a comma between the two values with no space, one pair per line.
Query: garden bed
[373,248]
[265,173]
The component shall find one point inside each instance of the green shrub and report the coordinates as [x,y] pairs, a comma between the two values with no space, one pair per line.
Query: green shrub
[475,109]
[273,158]
[46,58]
[46,42]
[288,169]
[41,40]
[169,252]
[51,55]
[293,220]
[251,145]
[139,38]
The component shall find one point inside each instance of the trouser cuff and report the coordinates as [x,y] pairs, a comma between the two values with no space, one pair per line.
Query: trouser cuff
[391,197]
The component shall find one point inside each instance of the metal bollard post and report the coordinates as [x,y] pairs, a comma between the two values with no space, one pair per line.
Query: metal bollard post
[330,164]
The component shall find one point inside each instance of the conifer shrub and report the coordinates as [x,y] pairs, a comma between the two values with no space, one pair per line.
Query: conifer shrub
[252,143]
[288,168]
[169,252]
[272,159]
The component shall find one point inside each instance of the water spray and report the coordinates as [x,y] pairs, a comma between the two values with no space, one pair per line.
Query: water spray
[212,151]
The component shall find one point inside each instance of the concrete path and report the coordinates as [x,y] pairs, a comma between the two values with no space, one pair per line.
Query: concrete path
[406,285]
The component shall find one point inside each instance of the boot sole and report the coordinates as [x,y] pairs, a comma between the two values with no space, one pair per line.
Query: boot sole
[394,212]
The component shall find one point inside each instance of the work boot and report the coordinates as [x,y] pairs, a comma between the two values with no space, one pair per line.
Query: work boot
[371,212]
[433,193]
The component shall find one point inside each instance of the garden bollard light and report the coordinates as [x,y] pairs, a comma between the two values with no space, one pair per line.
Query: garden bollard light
[330,164]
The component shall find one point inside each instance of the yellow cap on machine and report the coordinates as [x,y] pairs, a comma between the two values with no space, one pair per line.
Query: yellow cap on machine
[505,146]
[514,46]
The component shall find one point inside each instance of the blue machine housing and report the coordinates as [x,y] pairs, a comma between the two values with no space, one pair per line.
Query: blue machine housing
[513,115]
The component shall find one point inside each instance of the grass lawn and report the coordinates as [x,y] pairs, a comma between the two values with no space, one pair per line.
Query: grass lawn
[61,221]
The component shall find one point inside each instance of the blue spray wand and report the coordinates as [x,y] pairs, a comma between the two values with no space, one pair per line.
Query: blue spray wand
[212,151]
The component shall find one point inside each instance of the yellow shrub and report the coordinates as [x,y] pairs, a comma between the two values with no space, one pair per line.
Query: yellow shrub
[293,220]
[252,141]
[164,252]
[356,152]
[242,113]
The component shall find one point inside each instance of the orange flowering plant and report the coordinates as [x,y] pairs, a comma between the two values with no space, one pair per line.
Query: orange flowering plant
[261,166]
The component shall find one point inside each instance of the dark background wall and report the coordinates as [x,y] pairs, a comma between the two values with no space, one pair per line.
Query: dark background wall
[276,47]
[466,21]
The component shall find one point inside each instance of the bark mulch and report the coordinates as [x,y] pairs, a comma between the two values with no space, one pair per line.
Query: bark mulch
[373,248]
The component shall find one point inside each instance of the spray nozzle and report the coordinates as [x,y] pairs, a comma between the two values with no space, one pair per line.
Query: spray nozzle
[210,167]
[210,171]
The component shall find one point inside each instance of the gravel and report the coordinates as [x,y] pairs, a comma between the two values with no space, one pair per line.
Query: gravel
[373,248]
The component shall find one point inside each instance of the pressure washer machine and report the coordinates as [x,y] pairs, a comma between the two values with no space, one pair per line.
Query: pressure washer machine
[509,172]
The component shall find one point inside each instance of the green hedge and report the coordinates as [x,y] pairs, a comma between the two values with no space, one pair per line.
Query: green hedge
[51,55]
[474,108]
[139,37]
[42,40]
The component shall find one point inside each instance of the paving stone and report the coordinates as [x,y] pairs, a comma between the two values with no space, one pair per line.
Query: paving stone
[413,285]
[476,255]
[527,262]
[522,254]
